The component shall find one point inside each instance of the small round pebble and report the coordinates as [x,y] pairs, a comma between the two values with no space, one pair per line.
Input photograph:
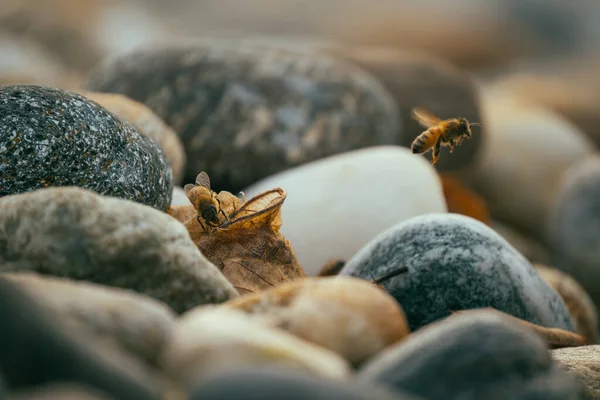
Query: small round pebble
[75,233]
[456,263]
[575,225]
[52,137]
[338,204]
[245,111]
[137,323]
[147,123]
[582,362]
[349,316]
[581,307]
[278,384]
[36,348]
[474,356]
[179,197]
[209,340]
[527,149]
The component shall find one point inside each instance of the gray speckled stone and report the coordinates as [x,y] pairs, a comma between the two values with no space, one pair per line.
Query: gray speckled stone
[455,263]
[75,233]
[52,137]
[245,111]
[474,356]
[575,225]
[277,383]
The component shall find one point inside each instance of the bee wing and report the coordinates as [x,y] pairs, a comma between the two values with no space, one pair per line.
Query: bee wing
[188,188]
[425,118]
[203,180]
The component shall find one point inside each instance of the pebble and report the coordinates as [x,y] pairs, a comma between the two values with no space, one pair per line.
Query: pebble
[457,263]
[59,391]
[247,111]
[582,362]
[349,316]
[527,148]
[417,79]
[581,307]
[52,137]
[75,233]
[36,349]
[479,355]
[209,340]
[575,225]
[147,123]
[138,324]
[276,384]
[336,205]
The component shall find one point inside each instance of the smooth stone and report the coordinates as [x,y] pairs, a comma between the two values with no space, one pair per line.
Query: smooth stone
[418,79]
[479,355]
[179,197]
[266,108]
[147,123]
[52,137]
[136,323]
[581,307]
[354,318]
[36,349]
[457,263]
[532,249]
[209,340]
[59,391]
[276,384]
[572,92]
[75,233]
[336,205]
[584,363]
[575,225]
[527,148]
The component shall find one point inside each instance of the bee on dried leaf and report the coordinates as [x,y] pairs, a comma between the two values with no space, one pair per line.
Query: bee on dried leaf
[240,237]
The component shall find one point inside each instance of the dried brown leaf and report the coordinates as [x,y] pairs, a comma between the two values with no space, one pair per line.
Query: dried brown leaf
[248,247]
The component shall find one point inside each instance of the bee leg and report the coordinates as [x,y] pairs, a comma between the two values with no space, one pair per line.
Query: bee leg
[201,224]
[221,210]
[436,151]
[452,144]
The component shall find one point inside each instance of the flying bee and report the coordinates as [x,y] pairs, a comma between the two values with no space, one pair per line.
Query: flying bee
[449,132]
[205,201]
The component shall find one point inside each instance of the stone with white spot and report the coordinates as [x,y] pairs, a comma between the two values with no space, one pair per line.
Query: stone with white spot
[336,205]
[456,263]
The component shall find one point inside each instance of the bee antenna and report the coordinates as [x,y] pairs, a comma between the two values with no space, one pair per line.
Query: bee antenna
[390,275]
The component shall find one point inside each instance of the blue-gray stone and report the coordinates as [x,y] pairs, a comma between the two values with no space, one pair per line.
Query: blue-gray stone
[272,383]
[575,225]
[478,355]
[52,137]
[245,111]
[456,263]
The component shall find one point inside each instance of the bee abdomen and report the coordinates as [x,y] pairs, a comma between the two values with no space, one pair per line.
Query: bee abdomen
[420,143]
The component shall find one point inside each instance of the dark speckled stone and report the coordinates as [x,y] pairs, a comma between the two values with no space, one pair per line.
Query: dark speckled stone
[475,356]
[52,137]
[456,263]
[245,111]
[276,384]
